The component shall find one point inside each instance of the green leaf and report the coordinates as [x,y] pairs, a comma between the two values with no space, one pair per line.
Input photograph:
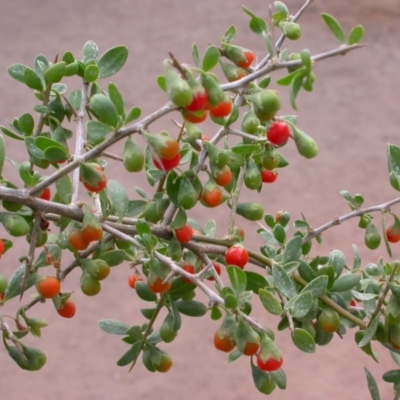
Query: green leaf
[191,308]
[134,113]
[338,260]
[113,326]
[91,73]
[294,89]
[335,27]
[17,71]
[229,35]
[116,98]
[195,56]
[292,250]
[302,305]
[392,376]
[210,228]
[282,8]
[144,292]
[26,123]
[10,134]
[15,282]
[131,355]
[97,131]
[238,279]
[64,189]
[118,197]
[370,332]
[317,286]
[283,282]
[263,381]
[345,282]
[255,281]
[356,257]
[112,61]
[32,80]
[104,109]
[270,302]
[90,51]
[113,257]
[356,35]
[54,73]
[135,207]
[372,386]
[245,148]
[211,58]
[257,24]
[303,340]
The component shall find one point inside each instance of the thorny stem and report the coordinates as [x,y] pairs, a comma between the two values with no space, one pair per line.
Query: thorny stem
[80,140]
[31,252]
[287,313]
[279,65]
[356,213]
[382,296]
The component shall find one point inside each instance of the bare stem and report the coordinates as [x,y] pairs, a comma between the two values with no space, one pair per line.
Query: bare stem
[356,213]
[79,142]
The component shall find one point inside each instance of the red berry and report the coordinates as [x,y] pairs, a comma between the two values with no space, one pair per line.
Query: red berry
[2,247]
[184,234]
[48,287]
[278,133]
[91,234]
[268,176]
[46,194]
[217,268]
[237,255]
[188,268]
[167,164]
[199,101]
[269,365]
[251,348]
[212,198]
[170,150]
[249,55]
[195,117]
[132,279]
[222,109]
[392,235]
[224,344]
[158,286]
[68,309]
[223,177]
[77,241]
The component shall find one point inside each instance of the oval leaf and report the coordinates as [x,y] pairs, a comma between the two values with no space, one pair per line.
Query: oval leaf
[113,326]
[270,302]
[112,61]
[238,279]
[303,340]
[191,308]
[118,197]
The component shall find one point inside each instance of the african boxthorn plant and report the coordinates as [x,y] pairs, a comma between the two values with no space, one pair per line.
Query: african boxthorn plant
[173,256]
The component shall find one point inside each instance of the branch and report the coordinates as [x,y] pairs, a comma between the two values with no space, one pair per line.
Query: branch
[356,213]
[79,142]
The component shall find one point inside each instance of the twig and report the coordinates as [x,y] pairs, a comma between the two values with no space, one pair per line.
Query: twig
[79,142]
[31,253]
[283,36]
[355,213]
[382,296]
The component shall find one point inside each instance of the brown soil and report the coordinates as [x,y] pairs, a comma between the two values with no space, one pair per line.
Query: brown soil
[352,113]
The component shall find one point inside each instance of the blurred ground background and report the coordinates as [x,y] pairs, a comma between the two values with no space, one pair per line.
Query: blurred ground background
[353,114]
